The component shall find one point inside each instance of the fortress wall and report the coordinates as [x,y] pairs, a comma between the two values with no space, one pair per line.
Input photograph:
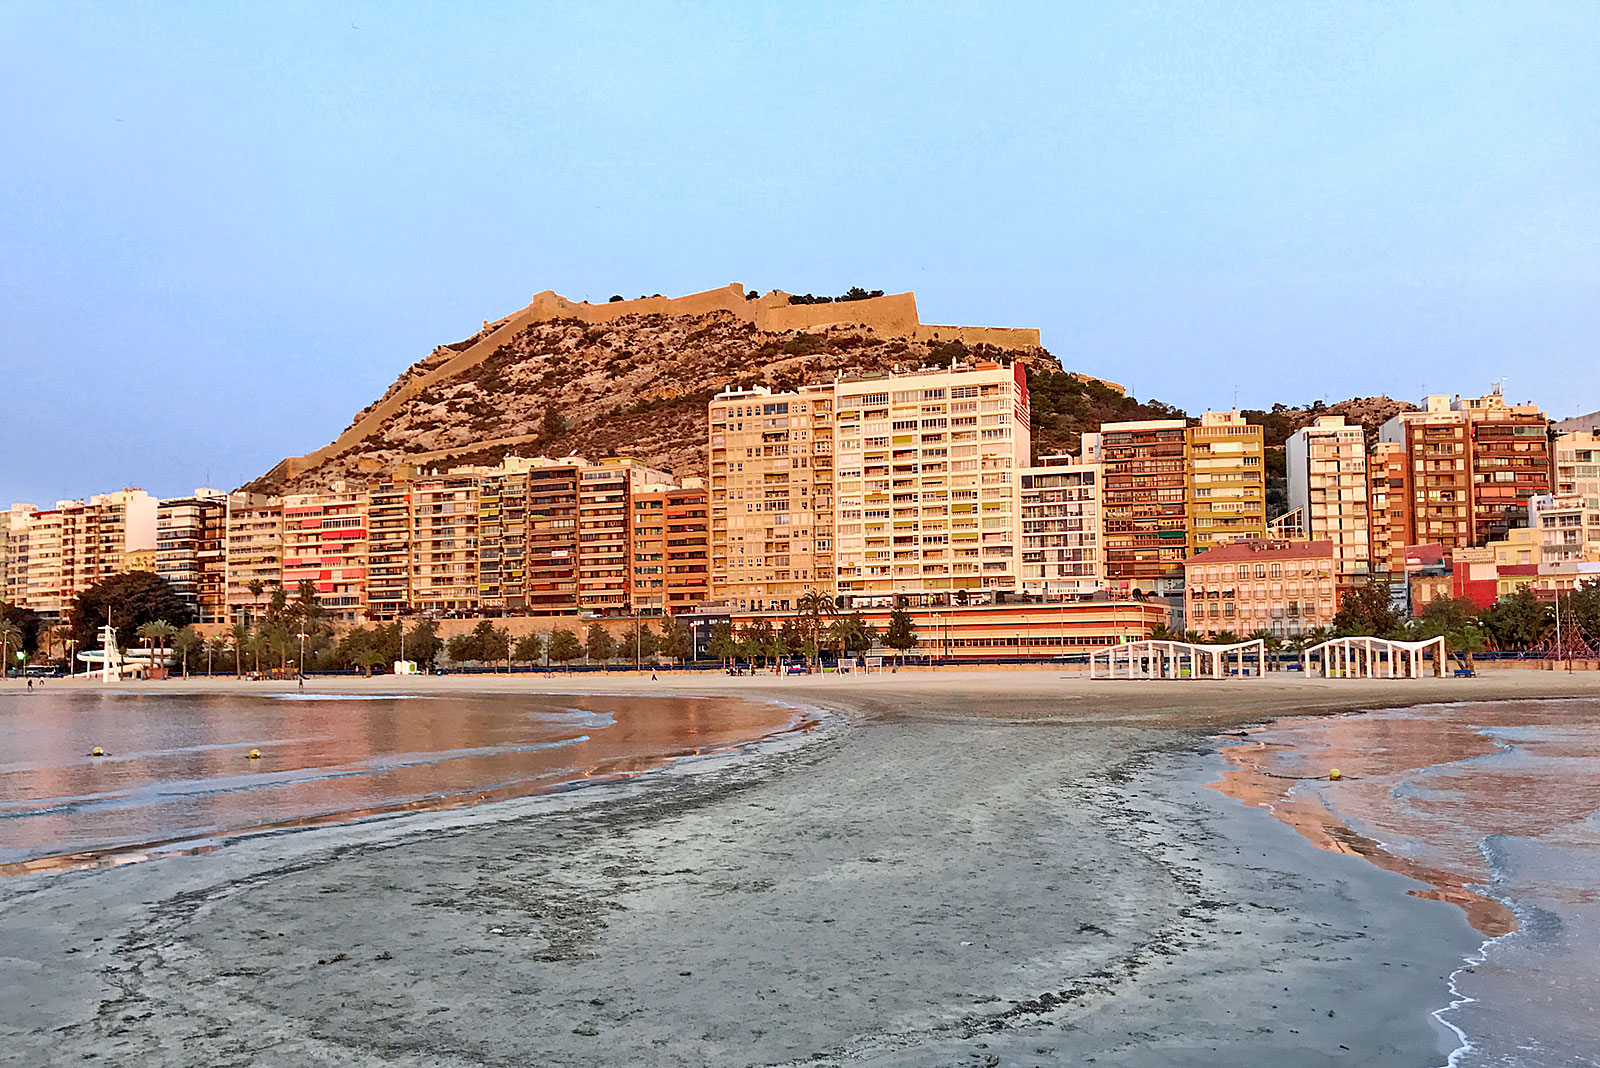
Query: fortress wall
[891,316]
[1003,337]
[728,298]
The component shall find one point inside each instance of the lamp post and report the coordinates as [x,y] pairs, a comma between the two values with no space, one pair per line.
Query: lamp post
[301,667]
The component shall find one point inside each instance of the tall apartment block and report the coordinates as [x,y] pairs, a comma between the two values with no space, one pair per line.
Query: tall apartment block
[253,554]
[191,536]
[1471,466]
[1060,506]
[1227,482]
[1327,469]
[771,495]
[1387,507]
[670,541]
[926,479]
[1144,502]
[552,539]
[53,555]
[325,543]
[502,537]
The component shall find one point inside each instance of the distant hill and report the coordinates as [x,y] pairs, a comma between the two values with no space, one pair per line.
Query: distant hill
[633,378]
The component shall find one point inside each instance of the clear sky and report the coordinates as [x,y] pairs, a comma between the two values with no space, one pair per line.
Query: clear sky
[224,228]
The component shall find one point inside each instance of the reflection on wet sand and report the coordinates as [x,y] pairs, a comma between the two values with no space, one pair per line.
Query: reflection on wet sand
[177,779]
[1423,788]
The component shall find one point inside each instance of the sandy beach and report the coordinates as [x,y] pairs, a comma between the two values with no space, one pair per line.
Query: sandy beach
[954,868]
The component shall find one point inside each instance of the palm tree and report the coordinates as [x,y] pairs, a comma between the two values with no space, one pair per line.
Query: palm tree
[157,633]
[817,611]
[368,658]
[241,639]
[10,637]
[188,640]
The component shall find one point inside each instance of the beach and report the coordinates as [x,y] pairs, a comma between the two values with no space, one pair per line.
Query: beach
[952,868]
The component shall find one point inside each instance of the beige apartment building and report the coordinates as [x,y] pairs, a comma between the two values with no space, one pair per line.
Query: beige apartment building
[52,555]
[927,468]
[1576,464]
[1327,473]
[1282,587]
[772,500]
[1060,506]
[1226,488]
[253,554]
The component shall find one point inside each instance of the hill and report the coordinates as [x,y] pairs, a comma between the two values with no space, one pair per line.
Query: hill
[637,385]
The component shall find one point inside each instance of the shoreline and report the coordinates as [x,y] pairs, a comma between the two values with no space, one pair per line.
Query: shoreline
[924,878]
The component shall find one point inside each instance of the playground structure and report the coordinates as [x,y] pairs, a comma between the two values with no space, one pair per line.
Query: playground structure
[1153,658]
[1361,657]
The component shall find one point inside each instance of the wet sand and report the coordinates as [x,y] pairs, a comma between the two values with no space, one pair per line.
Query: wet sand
[973,868]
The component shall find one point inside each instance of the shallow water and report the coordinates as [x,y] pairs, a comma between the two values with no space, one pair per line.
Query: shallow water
[1494,807]
[176,775]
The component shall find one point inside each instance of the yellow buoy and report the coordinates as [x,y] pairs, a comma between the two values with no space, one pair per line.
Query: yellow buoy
[255,754]
[1334,775]
[98,751]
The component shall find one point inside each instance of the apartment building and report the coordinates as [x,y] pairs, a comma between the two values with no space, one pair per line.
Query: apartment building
[55,554]
[444,545]
[1576,465]
[502,537]
[389,522]
[1060,508]
[669,539]
[1471,465]
[1327,474]
[772,500]
[1568,528]
[325,543]
[191,537]
[253,554]
[1387,525]
[1510,462]
[1145,532]
[1226,487]
[552,539]
[926,483]
[1283,587]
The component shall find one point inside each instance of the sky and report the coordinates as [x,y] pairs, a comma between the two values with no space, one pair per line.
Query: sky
[225,228]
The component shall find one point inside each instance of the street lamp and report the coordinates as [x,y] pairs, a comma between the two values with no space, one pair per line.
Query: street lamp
[301,667]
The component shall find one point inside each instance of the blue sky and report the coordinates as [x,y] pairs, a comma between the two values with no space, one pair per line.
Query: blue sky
[225,228]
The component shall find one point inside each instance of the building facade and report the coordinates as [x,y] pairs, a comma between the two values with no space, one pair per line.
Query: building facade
[1060,507]
[1145,535]
[253,554]
[1327,472]
[1282,587]
[927,467]
[325,544]
[1226,482]
[52,555]
[191,537]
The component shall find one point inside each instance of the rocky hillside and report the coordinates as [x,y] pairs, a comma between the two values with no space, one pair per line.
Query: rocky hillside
[1368,412]
[638,386]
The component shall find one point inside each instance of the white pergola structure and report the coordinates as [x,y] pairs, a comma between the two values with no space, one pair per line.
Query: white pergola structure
[1152,658]
[1359,657]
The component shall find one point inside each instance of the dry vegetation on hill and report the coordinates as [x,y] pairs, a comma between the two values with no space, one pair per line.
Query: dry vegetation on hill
[638,386]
